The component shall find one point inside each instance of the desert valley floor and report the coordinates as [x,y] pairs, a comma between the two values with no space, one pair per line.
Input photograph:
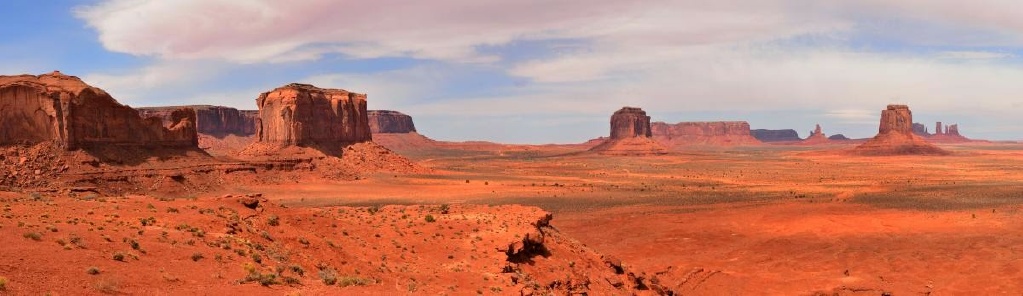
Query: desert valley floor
[770,219]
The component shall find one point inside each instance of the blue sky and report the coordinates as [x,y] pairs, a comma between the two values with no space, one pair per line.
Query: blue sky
[549,71]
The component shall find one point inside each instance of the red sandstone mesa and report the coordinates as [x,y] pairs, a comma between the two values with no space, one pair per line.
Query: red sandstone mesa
[211,120]
[784,135]
[895,136]
[305,115]
[630,122]
[713,133]
[630,135]
[66,110]
[390,122]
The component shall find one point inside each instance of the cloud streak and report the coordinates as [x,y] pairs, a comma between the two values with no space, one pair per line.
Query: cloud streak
[721,57]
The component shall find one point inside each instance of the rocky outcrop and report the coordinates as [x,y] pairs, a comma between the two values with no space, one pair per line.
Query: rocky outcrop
[630,135]
[920,130]
[66,110]
[784,135]
[816,137]
[308,116]
[630,122]
[895,136]
[838,137]
[211,120]
[390,122]
[950,134]
[942,133]
[713,133]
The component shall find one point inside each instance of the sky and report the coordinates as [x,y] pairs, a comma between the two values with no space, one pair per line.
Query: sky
[550,71]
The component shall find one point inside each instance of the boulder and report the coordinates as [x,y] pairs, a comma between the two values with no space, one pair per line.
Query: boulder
[783,135]
[390,122]
[308,116]
[895,136]
[64,109]
[713,133]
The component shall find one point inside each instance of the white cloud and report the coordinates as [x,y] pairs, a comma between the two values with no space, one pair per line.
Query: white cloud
[974,55]
[260,30]
[389,89]
[134,86]
[664,55]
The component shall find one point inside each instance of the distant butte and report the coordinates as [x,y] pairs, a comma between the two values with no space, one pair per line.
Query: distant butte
[630,135]
[895,136]
[782,135]
[211,120]
[390,122]
[816,137]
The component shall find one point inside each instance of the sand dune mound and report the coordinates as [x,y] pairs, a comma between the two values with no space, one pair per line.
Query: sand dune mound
[630,146]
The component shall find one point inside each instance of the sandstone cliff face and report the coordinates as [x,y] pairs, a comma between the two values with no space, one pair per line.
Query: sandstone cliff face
[714,133]
[211,120]
[785,135]
[630,122]
[305,115]
[630,135]
[390,122]
[895,136]
[63,109]
[896,119]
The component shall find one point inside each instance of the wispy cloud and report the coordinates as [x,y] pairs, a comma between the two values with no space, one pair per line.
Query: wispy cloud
[974,55]
[663,55]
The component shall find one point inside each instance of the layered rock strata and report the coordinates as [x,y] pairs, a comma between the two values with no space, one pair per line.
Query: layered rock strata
[712,133]
[390,122]
[211,120]
[64,109]
[305,115]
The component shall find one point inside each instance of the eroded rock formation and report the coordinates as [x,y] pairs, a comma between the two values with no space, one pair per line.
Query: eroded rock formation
[390,122]
[308,116]
[714,133]
[630,122]
[895,136]
[816,137]
[211,120]
[950,134]
[943,133]
[630,135]
[66,110]
[920,130]
[784,135]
